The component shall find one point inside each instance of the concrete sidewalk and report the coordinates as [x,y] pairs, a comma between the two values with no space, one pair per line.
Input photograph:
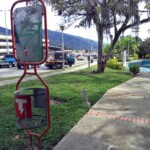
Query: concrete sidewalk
[118,121]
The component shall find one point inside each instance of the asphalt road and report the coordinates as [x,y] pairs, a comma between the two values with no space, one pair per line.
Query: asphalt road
[14,71]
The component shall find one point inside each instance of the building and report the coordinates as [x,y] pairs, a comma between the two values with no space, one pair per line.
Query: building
[5,47]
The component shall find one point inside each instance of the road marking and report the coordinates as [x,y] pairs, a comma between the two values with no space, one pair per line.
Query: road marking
[116,117]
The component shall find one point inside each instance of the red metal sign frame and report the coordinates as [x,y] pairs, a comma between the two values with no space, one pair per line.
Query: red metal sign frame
[13,33]
[39,136]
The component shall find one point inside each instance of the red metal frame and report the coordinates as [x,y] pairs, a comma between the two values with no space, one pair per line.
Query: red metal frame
[39,136]
[13,37]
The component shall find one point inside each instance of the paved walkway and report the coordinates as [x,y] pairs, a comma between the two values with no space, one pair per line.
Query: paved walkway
[118,121]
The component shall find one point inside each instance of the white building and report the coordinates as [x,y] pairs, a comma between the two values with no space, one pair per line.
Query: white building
[5,47]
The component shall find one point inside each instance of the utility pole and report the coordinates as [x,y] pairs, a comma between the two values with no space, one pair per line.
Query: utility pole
[62,27]
[7,46]
[91,46]
[6,31]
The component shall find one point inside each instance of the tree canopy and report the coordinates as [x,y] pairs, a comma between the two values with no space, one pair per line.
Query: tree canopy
[144,47]
[110,17]
[127,43]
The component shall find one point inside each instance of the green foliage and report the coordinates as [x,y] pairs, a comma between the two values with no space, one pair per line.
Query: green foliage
[147,56]
[135,57]
[77,51]
[134,69]
[119,58]
[128,43]
[129,59]
[67,89]
[106,48]
[114,64]
[144,47]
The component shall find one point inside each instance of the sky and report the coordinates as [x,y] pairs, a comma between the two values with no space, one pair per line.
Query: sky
[55,21]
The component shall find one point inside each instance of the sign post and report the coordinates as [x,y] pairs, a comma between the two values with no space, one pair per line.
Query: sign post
[32,105]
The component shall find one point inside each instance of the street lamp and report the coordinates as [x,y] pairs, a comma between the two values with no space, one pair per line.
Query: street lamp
[7,46]
[123,50]
[62,27]
[91,46]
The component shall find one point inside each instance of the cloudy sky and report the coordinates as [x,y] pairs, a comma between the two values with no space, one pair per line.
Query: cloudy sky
[54,22]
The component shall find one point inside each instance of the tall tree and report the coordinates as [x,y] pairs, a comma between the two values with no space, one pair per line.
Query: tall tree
[107,15]
[127,43]
[144,47]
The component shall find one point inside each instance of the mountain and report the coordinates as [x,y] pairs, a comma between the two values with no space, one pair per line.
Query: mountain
[70,41]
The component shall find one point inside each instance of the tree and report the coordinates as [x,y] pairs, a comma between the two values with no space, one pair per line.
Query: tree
[144,47]
[106,15]
[127,43]
[106,48]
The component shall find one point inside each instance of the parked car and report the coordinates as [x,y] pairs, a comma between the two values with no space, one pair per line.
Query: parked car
[82,58]
[95,56]
[20,66]
[8,61]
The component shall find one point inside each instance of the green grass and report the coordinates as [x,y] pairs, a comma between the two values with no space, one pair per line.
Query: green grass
[66,88]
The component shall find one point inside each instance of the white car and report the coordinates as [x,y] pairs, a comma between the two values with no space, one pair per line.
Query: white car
[82,58]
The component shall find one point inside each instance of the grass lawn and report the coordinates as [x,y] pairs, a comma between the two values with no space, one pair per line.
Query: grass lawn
[67,89]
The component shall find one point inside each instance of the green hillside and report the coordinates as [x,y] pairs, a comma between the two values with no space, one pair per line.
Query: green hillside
[70,41]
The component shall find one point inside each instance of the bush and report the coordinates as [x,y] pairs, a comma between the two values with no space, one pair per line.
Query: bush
[134,69]
[114,64]
[147,56]
[119,59]
[129,59]
[135,57]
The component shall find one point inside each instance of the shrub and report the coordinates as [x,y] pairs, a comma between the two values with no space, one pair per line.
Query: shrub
[134,69]
[129,59]
[147,56]
[119,59]
[135,57]
[119,67]
[114,64]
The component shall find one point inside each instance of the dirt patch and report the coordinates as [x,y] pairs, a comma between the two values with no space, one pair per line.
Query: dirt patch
[56,102]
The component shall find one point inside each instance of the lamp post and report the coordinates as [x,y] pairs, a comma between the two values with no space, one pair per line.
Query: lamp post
[123,51]
[7,46]
[6,32]
[128,48]
[91,46]
[62,27]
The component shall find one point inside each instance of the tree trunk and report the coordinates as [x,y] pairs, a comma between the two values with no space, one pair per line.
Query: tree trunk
[101,67]
[101,60]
